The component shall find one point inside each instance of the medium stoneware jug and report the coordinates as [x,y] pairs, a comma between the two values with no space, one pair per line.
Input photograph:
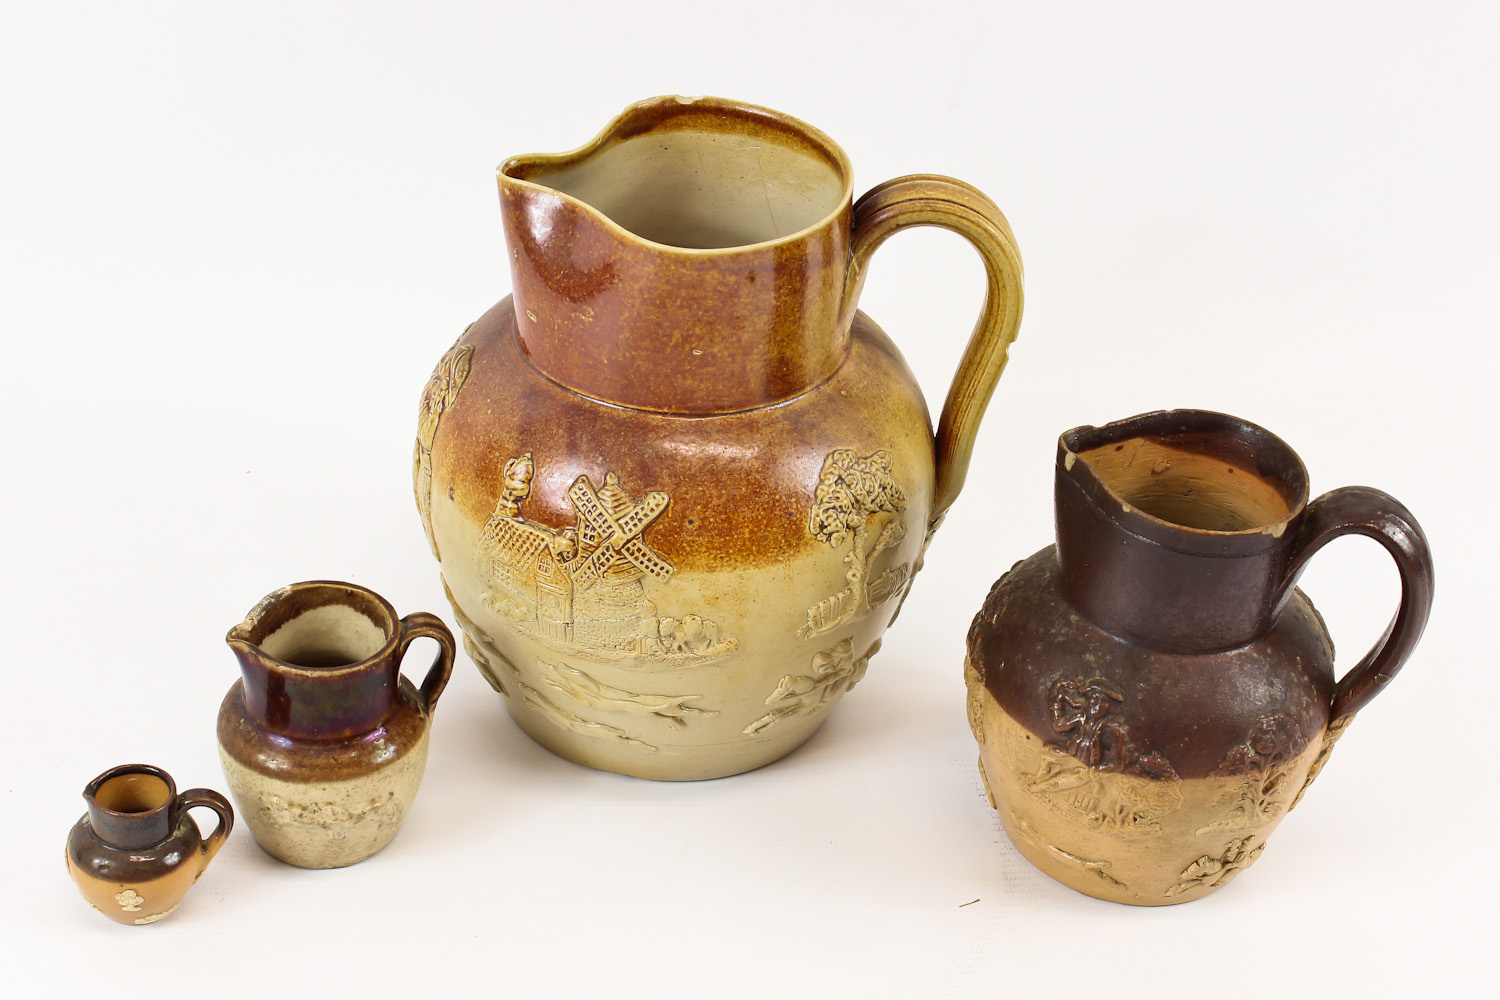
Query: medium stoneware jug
[136,852]
[677,483]
[1153,694]
[322,740]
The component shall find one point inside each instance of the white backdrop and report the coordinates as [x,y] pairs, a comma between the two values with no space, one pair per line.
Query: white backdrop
[236,238]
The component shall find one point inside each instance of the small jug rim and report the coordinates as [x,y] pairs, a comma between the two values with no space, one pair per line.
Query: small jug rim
[661,107]
[1277,461]
[240,634]
[91,790]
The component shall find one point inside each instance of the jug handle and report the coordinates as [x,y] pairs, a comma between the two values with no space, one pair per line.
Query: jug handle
[422,625]
[932,200]
[1360,510]
[208,799]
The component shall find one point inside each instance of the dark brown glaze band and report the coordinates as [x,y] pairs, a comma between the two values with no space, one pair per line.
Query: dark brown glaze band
[317,702]
[1190,710]
[135,828]
[107,861]
[1189,590]
[294,758]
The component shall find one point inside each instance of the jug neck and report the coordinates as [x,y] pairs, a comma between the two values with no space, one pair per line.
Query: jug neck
[132,807]
[319,660]
[1175,529]
[692,258]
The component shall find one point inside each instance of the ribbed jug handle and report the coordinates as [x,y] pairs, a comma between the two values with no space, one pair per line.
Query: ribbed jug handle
[931,200]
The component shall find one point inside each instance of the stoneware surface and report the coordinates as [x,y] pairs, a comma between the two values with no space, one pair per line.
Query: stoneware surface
[137,851]
[1153,695]
[239,238]
[678,485]
[323,742]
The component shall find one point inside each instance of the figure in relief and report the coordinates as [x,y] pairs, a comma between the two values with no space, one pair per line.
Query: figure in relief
[833,672]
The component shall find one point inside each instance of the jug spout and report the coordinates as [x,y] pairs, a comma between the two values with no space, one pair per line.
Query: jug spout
[318,659]
[691,258]
[1175,529]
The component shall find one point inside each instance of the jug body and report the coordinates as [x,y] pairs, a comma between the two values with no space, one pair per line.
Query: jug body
[1152,695]
[137,851]
[677,484]
[323,742]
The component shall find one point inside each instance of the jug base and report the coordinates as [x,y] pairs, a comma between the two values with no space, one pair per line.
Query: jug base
[687,763]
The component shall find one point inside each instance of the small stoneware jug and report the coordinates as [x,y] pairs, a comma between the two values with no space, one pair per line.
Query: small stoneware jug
[1153,694]
[322,740]
[678,483]
[136,852]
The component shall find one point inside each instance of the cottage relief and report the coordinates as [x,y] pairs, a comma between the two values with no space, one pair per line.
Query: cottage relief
[582,589]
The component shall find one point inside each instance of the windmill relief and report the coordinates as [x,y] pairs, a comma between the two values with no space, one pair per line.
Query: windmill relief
[582,589]
[857,501]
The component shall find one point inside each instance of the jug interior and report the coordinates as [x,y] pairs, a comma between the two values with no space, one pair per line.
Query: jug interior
[133,793]
[319,624]
[1191,484]
[710,182]
[334,635]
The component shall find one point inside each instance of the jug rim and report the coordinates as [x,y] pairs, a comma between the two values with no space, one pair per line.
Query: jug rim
[661,108]
[240,634]
[1273,459]
[92,789]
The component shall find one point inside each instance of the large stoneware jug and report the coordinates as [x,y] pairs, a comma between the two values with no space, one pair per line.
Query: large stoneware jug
[678,484]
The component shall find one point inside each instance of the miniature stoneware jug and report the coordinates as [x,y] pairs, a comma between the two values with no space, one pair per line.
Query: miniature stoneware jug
[677,483]
[322,740]
[1153,694]
[136,852]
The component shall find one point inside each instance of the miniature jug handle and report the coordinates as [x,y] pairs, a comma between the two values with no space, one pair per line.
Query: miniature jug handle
[208,799]
[931,200]
[423,625]
[1359,510]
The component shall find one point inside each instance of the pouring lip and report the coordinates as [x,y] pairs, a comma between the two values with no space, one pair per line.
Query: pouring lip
[241,634]
[1286,464]
[660,108]
[91,790]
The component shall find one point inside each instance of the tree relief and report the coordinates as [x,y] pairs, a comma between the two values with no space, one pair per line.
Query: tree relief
[1263,763]
[859,503]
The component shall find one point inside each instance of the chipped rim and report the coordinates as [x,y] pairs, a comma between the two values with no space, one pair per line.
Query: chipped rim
[1268,455]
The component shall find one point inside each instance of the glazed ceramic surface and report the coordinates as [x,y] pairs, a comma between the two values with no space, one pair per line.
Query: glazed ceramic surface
[137,851]
[677,484]
[1153,694]
[323,741]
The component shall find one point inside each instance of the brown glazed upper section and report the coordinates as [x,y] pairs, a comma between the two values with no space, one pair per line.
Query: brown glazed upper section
[1175,529]
[132,806]
[317,701]
[747,317]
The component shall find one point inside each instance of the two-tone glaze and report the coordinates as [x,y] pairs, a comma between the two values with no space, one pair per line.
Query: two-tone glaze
[678,485]
[323,741]
[137,851]
[1153,694]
